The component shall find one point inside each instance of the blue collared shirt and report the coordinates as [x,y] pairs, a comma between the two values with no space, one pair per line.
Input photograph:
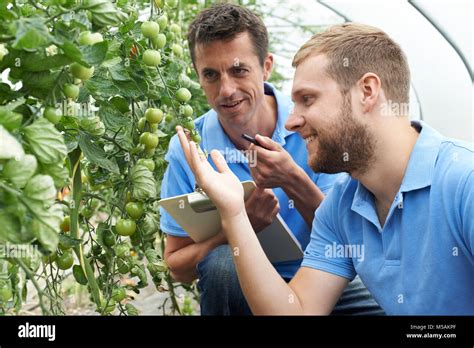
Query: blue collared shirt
[421,261]
[178,178]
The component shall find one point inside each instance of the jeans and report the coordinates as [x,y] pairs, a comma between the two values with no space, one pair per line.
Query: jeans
[220,292]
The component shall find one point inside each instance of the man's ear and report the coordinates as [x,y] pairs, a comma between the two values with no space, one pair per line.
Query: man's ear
[370,91]
[267,66]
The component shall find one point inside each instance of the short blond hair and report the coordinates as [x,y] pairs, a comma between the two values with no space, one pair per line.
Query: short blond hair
[355,49]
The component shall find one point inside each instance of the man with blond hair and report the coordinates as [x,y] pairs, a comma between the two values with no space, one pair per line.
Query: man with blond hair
[408,203]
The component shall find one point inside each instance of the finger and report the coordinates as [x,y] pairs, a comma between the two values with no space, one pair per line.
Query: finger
[198,161]
[267,143]
[184,143]
[219,161]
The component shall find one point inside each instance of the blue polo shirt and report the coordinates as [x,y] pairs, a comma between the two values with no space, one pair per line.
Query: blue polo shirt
[421,262]
[178,178]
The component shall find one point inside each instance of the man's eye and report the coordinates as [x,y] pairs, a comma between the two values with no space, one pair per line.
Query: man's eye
[307,100]
[240,71]
[210,75]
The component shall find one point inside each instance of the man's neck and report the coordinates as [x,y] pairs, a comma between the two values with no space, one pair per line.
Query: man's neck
[393,148]
[263,123]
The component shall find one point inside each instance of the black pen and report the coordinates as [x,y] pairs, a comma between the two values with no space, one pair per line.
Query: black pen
[252,140]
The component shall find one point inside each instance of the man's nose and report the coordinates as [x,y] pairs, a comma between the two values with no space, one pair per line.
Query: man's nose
[295,121]
[227,87]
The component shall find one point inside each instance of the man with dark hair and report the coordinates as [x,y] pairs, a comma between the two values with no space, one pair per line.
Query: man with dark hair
[229,49]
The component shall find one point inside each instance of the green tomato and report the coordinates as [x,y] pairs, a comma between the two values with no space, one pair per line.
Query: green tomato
[81,72]
[149,163]
[168,118]
[170,36]
[175,28]
[163,21]
[152,57]
[153,115]
[53,115]
[189,124]
[126,227]
[196,137]
[71,91]
[93,125]
[187,110]
[87,38]
[107,307]
[108,238]
[66,224]
[122,250]
[134,210]
[150,29]
[159,41]
[141,124]
[183,95]
[65,261]
[150,152]
[63,247]
[79,275]
[172,3]
[177,50]
[118,294]
[150,140]
[6,292]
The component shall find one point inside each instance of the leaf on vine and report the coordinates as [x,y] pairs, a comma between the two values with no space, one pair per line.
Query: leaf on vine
[9,146]
[144,185]
[96,154]
[45,142]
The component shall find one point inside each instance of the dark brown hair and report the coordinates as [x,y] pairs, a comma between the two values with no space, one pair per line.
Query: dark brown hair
[224,22]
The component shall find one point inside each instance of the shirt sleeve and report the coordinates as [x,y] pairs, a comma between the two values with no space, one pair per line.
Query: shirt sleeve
[321,252]
[467,212]
[177,180]
[325,182]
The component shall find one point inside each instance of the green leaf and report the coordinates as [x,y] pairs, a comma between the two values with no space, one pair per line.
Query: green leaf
[72,51]
[9,119]
[11,228]
[45,142]
[96,154]
[40,191]
[9,146]
[58,172]
[33,62]
[104,13]
[95,54]
[143,183]
[46,228]
[30,33]
[19,171]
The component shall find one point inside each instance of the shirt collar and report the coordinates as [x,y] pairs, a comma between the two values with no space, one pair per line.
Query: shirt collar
[419,172]
[418,175]
[214,136]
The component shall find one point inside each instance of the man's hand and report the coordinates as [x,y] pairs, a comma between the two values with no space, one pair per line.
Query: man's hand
[262,206]
[276,168]
[273,164]
[222,187]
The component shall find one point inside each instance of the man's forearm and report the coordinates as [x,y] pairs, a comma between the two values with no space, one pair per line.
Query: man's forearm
[266,292]
[304,193]
[183,262]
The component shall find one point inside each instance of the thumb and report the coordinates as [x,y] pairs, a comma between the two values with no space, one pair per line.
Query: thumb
[219,161]
[267,143]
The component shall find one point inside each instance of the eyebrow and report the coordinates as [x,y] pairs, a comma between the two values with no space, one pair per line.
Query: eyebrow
[303,91]
[232,67]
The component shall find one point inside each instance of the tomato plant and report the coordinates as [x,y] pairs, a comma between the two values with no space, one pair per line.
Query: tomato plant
[90,95]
